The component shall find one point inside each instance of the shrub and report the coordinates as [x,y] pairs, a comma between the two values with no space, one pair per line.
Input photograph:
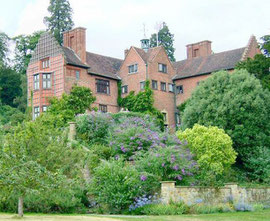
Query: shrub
[164,209]
[238,104]
[212,148]
[170,163]
[93,128]
[242,206]
[202,208]
[116,184]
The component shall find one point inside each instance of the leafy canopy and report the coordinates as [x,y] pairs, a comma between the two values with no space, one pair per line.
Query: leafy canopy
[60,18]
[4,39]
[259,66]
[166,39]
[212,148]
[24,47]
[238,104]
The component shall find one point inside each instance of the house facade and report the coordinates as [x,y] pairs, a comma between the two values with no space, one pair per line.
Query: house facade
[53,70]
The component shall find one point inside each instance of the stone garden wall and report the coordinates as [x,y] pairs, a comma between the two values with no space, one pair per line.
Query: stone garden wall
[196,194]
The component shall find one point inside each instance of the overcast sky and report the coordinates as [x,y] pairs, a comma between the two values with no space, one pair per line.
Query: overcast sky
[114,25]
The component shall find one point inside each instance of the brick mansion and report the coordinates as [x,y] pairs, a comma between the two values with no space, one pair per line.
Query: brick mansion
[54,68]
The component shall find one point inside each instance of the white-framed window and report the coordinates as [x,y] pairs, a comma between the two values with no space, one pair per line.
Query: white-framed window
[36,82]
[103,108]
[163,86]
[171,87]
[124,89]
[154,85]
[142,85]
[44,108]
[77,75]
[36,112]
[162,68]
[46,80]
[179,89]
[102,86]
[46,63]
[133,68]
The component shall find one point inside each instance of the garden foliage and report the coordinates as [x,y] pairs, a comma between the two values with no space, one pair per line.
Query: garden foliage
[238,104]
[212,148]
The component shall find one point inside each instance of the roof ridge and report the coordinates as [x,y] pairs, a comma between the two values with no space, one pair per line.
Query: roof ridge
[104,55]
[210,54]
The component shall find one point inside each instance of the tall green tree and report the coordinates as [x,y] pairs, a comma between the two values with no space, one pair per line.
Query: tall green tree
[60,18]
[166,39]
[238,104]
[265,45]
[24,47]
[3,49]
[259,66]
[10,82]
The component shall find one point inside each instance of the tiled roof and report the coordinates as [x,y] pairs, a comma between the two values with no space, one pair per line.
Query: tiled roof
[203,65]
[149,55]
[72,58]
[103,65]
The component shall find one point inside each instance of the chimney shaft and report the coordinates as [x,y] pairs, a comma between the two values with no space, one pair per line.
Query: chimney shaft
[199,49]
[76,40]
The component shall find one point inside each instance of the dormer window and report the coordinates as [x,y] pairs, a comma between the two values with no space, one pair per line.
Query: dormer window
[162,68]
[45,63]
[133,68]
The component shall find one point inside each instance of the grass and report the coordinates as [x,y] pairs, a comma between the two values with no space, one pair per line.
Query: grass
[235,216]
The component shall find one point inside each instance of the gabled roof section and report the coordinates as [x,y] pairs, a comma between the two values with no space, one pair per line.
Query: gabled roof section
[47,46]
[72,58]
[149,55]
[205,65]
[103,65]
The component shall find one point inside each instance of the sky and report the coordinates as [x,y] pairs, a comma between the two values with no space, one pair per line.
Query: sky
[114,25]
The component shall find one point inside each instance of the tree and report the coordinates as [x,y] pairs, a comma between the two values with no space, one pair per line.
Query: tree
[60,18]
[36,158]
[259,66]
[24,47]
[165,38]
[10,82]
[213,151]
[64,109]
[238,104]
[265,46]
[3,49]
[143,102]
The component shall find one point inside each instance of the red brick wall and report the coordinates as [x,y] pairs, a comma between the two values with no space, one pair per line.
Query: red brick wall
[88,80]
[189,84]
[164,100]
[133,79]
[40,97]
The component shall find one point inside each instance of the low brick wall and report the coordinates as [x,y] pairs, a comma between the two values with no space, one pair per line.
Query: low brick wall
[195,194]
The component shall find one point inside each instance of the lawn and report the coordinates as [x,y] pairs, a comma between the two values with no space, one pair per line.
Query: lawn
[236,216]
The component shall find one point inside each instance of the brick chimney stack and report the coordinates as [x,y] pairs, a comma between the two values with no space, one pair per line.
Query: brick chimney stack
[126,52]
[76,40]
[200,49]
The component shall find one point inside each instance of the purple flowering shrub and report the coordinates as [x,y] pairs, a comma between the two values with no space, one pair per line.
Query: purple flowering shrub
[93,128]
[170,163]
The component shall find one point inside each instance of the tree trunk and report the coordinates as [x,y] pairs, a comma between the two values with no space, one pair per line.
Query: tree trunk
[20,206]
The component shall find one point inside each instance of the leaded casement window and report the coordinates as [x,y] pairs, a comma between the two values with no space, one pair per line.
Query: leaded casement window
[36,112]
[36,82]
[142,85]
[171,87]
[103,108]
[77,75]
[124,89]
[163,86]
[102,86]
[44,108]
[154,85]
[179,89]
[46,81]
[162,68]
[133,68]
[45,63]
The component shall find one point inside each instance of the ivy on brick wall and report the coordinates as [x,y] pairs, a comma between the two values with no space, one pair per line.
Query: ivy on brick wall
[142,102]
